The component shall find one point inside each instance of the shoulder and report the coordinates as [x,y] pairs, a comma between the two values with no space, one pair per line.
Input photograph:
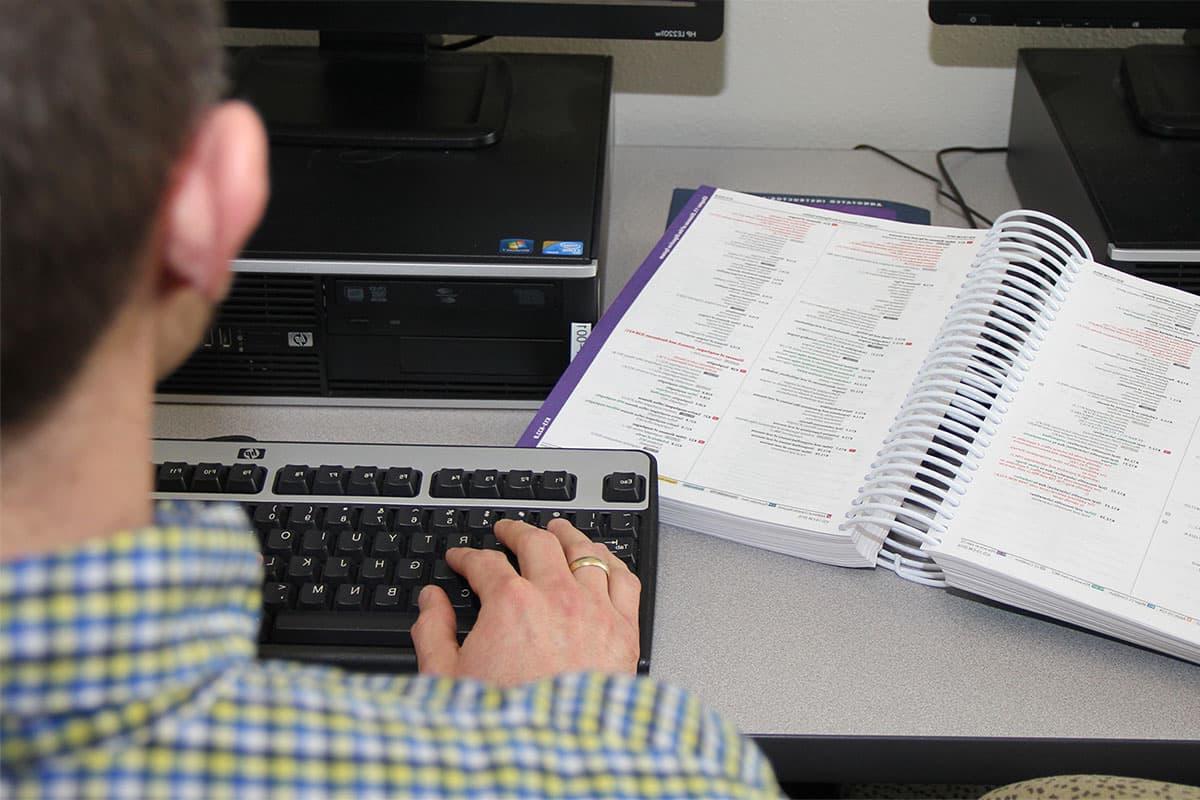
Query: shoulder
[573,735]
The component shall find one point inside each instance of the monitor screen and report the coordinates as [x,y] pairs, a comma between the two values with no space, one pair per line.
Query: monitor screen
[1068,13]
[670,20]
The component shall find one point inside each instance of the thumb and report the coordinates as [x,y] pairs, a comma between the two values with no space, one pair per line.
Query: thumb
[434,633]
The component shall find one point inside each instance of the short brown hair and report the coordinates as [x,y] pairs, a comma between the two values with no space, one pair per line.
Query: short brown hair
[97,100]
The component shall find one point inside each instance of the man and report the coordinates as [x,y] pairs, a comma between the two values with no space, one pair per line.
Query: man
[126,630]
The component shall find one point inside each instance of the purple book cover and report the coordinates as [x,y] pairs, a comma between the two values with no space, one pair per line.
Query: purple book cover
[608,322]
[862,206]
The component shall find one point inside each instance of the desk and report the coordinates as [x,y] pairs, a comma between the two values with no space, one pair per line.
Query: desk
[842,675]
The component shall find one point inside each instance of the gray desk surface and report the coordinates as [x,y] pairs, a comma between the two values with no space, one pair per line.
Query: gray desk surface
[780,645]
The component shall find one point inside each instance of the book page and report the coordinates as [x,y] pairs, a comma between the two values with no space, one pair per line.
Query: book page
[765,359]
[1092,486]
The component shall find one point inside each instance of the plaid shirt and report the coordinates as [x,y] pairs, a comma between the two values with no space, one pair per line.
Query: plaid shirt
[129,671]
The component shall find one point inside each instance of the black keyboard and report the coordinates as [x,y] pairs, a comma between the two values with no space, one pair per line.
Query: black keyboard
[350,533]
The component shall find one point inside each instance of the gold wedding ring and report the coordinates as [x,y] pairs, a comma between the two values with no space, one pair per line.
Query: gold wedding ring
[588,561]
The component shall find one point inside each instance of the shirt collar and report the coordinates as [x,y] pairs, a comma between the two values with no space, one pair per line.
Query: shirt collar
[100,637]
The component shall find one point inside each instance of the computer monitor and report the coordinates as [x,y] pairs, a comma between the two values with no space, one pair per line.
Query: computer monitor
[1162,82]
[381,79]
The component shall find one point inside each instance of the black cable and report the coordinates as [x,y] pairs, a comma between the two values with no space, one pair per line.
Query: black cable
[969,213]
[967,210]
[463,44]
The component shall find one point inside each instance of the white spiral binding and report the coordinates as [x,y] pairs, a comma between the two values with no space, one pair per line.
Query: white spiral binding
[1014,290]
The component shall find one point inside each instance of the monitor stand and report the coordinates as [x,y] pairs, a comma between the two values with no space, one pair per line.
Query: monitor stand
[376,92]
[1163,86]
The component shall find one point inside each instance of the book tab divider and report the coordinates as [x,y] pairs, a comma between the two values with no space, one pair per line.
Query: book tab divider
[1011,295]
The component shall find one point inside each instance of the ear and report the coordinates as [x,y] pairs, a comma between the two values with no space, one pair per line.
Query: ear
[215,202]
[217,199]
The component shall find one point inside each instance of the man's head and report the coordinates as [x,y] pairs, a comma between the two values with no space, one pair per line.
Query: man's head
[124,188]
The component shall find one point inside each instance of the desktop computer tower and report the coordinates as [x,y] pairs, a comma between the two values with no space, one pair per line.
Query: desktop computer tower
[1076,151]
[424,276]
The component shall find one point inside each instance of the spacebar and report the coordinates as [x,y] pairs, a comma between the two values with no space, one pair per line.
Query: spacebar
[390,629]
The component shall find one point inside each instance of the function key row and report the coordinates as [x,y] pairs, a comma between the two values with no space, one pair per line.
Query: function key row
[371,481]
[178,476]
[335,479]
[517,484]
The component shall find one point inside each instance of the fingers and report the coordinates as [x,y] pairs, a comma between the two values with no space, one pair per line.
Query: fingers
[625,590]
[539,554]
[434,633]
[544,556]
[621,585]
[576,545]
[485,570]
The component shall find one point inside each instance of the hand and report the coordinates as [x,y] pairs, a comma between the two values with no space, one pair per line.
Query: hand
[542,622]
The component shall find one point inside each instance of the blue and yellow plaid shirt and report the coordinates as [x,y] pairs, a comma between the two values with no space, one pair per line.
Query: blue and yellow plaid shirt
[129,671]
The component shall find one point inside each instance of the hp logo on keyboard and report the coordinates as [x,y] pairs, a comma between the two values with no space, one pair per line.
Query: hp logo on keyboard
[252,453]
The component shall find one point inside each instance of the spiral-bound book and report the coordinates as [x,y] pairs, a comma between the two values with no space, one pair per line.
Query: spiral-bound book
[984,409]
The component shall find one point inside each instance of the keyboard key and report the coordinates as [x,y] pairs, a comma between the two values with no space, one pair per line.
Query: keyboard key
[364,481]
[410,522]
[348,597]
[410,571]
[460,540]
[373,570]
[623,523]
[302,568]
[269,516]
[315,542]
[294,479]
[339,518]
[588,522]
[484,483]
[277,595]
[329,479]
[348,629]
[518,485]
[339,570]
[620,546]
[173,476]
[389,598]
[387,545]
[281,541]
[401,482]
[449,483]
[531,517]
[313,595]
[422,544]
[375,519]
[352,544]
[624,487]
[481,520]
[245,479]
[302,518]
[444,576]
[209,478]
[555,485]
[272,567]
[462,597]
[445,521]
